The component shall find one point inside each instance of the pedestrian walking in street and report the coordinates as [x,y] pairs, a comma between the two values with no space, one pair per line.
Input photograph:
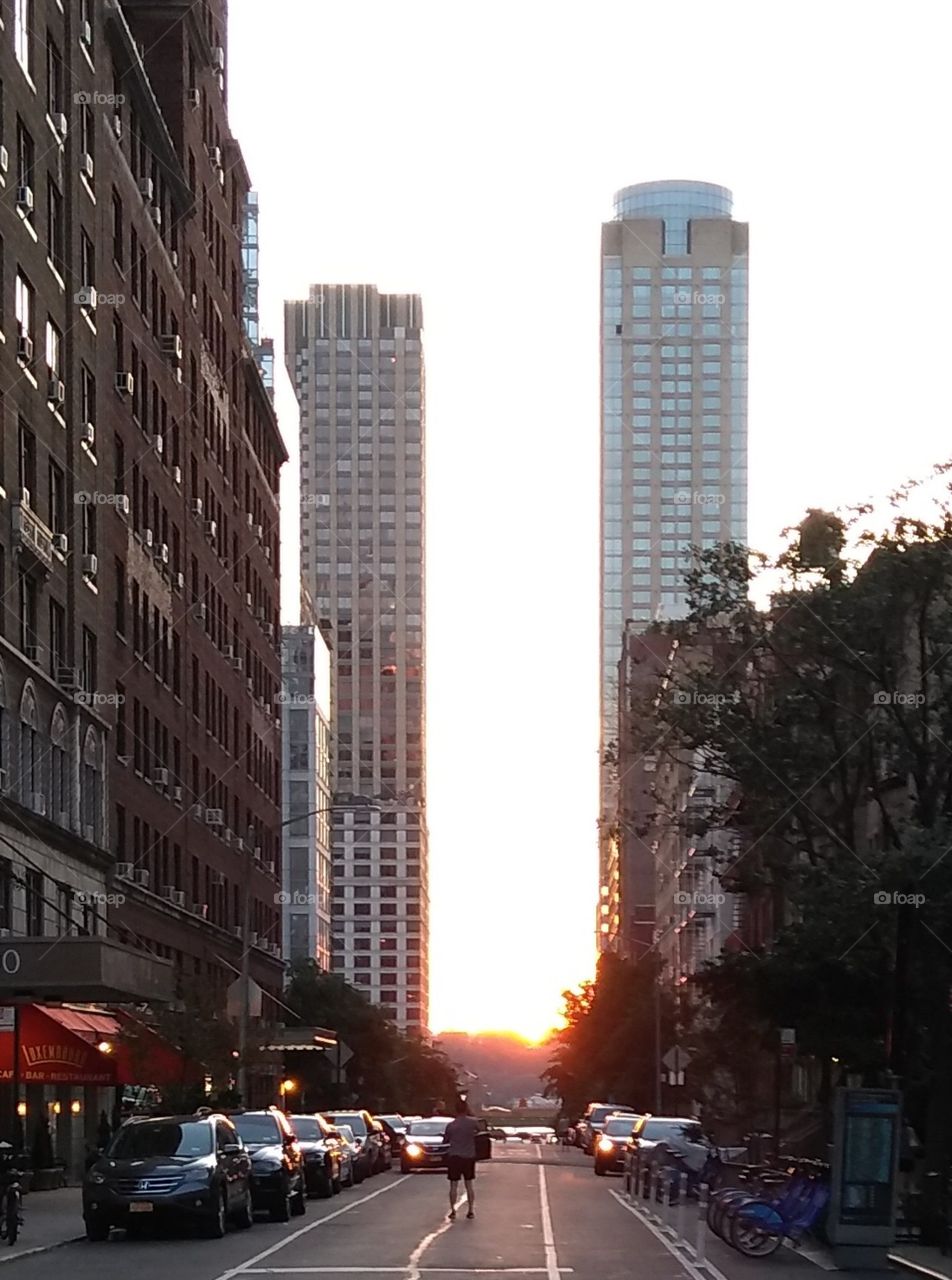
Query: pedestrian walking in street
[461,1157]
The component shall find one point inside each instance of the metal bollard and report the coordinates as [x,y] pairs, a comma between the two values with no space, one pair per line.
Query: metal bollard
[666,1195]
[682,1202]
[646,1193]
[700,1238]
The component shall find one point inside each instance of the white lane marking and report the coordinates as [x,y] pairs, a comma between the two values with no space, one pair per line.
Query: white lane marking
[302,1231]
[694,1271]
[399,1271]
[548,1239]
[413,1266]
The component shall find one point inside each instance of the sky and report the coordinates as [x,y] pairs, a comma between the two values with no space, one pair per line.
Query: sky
[470,153]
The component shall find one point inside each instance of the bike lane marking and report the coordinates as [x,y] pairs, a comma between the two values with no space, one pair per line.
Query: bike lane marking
[696,1272]
[302,1231]
[412,1268]
[548,1239]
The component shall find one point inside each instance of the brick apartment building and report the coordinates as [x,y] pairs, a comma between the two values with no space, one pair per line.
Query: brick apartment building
[140,665]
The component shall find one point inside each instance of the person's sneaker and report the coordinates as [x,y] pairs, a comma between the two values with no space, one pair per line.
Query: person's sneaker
[471,1214]
[451,1215]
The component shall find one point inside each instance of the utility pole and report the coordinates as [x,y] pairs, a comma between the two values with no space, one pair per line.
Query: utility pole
[656,990]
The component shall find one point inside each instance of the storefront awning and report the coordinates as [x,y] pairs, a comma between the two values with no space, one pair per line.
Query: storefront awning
[81,970]
[67,1045]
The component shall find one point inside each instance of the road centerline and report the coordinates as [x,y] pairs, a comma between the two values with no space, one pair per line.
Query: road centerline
[413,1266]
[302,1231]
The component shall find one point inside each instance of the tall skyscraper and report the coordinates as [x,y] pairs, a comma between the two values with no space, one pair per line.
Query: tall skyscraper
[355,358]
[673,429]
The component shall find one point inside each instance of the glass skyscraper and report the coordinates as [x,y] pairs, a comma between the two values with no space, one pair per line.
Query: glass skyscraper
[673,429]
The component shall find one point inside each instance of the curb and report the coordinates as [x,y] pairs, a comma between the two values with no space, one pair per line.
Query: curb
[47,1248]
[919,1268]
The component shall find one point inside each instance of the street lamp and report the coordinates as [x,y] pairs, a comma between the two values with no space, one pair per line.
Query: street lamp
[284,1088]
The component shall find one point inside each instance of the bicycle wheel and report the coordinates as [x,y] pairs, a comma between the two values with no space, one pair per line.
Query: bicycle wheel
[11,1215]
[756,1229]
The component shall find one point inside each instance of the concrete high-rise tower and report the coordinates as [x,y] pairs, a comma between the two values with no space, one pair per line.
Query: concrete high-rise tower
[355,358]
[673,431]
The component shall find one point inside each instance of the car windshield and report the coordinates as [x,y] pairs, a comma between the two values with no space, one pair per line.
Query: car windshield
[657,1130]
[354,1123]
[599,1114]
[617,1128]
[395,1122]
[346,1132]
[164,1138]
[255,1129]
[308,1128]
[427,1128]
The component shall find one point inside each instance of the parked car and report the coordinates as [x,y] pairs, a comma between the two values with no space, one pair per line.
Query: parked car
[367,1139]
[613,1144]
[590,1125]
[384,1150]
[659,1138]
[395,1128]
[173,1168]
[321,1149]
[426,1145]
[352,1171]
[277,1165]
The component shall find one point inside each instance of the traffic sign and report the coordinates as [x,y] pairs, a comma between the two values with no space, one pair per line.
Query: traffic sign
[342,1054]
[676,1060]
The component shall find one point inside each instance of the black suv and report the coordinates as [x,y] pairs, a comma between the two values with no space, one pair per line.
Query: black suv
[368,1140]
[171,1167]
[321,1148]
[277,1165]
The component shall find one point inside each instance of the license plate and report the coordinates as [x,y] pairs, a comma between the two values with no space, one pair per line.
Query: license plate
[141,1206]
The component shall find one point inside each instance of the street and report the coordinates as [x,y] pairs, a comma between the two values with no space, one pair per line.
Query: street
[543,1216]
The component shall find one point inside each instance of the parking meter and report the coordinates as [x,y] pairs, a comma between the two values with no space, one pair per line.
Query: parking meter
[862,1210]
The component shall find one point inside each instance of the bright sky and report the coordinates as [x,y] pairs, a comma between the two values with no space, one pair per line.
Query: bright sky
[470,153]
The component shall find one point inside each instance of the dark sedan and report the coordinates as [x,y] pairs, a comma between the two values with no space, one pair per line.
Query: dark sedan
[426,1146]
[173,1168]
[613,1144]
[368,1140]
[277,1165]
[321,1149]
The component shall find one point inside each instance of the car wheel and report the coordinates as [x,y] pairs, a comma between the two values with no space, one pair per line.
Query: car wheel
[299,1200]
[336,1185]
[281,1211]
[97,1229]
[216,1223]
[323,1185]
[245,1217]
[599,1170]
[349,1180]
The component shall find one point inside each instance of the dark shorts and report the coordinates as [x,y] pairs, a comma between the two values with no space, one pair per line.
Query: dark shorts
[460,1167]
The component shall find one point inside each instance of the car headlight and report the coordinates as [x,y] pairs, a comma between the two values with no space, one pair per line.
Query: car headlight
[413,1150]
[606,1144]
[269,1166]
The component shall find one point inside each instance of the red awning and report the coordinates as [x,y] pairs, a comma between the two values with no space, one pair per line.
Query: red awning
[59,1044]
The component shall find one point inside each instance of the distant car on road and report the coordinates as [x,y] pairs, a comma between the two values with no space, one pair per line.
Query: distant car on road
[426,1146]
[591,1123]
[352,1168]
[171,1168]
[613,1144]
[395,1127]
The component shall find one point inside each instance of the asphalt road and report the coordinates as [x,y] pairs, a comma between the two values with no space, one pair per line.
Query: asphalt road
[538,1212]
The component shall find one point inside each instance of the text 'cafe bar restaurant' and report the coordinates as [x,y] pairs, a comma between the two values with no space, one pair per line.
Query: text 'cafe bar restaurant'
[64,1056]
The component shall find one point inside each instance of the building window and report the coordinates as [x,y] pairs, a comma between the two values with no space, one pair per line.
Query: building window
[57,638]
[24,311]
[88,395]
[23,34]
[25,163]
[57,482]
[55,227]
[54,345]
[6,894]
[34,903]
[54,78]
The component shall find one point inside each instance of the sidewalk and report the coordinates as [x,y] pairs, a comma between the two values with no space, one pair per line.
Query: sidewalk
[917,1259]
[50,1218]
